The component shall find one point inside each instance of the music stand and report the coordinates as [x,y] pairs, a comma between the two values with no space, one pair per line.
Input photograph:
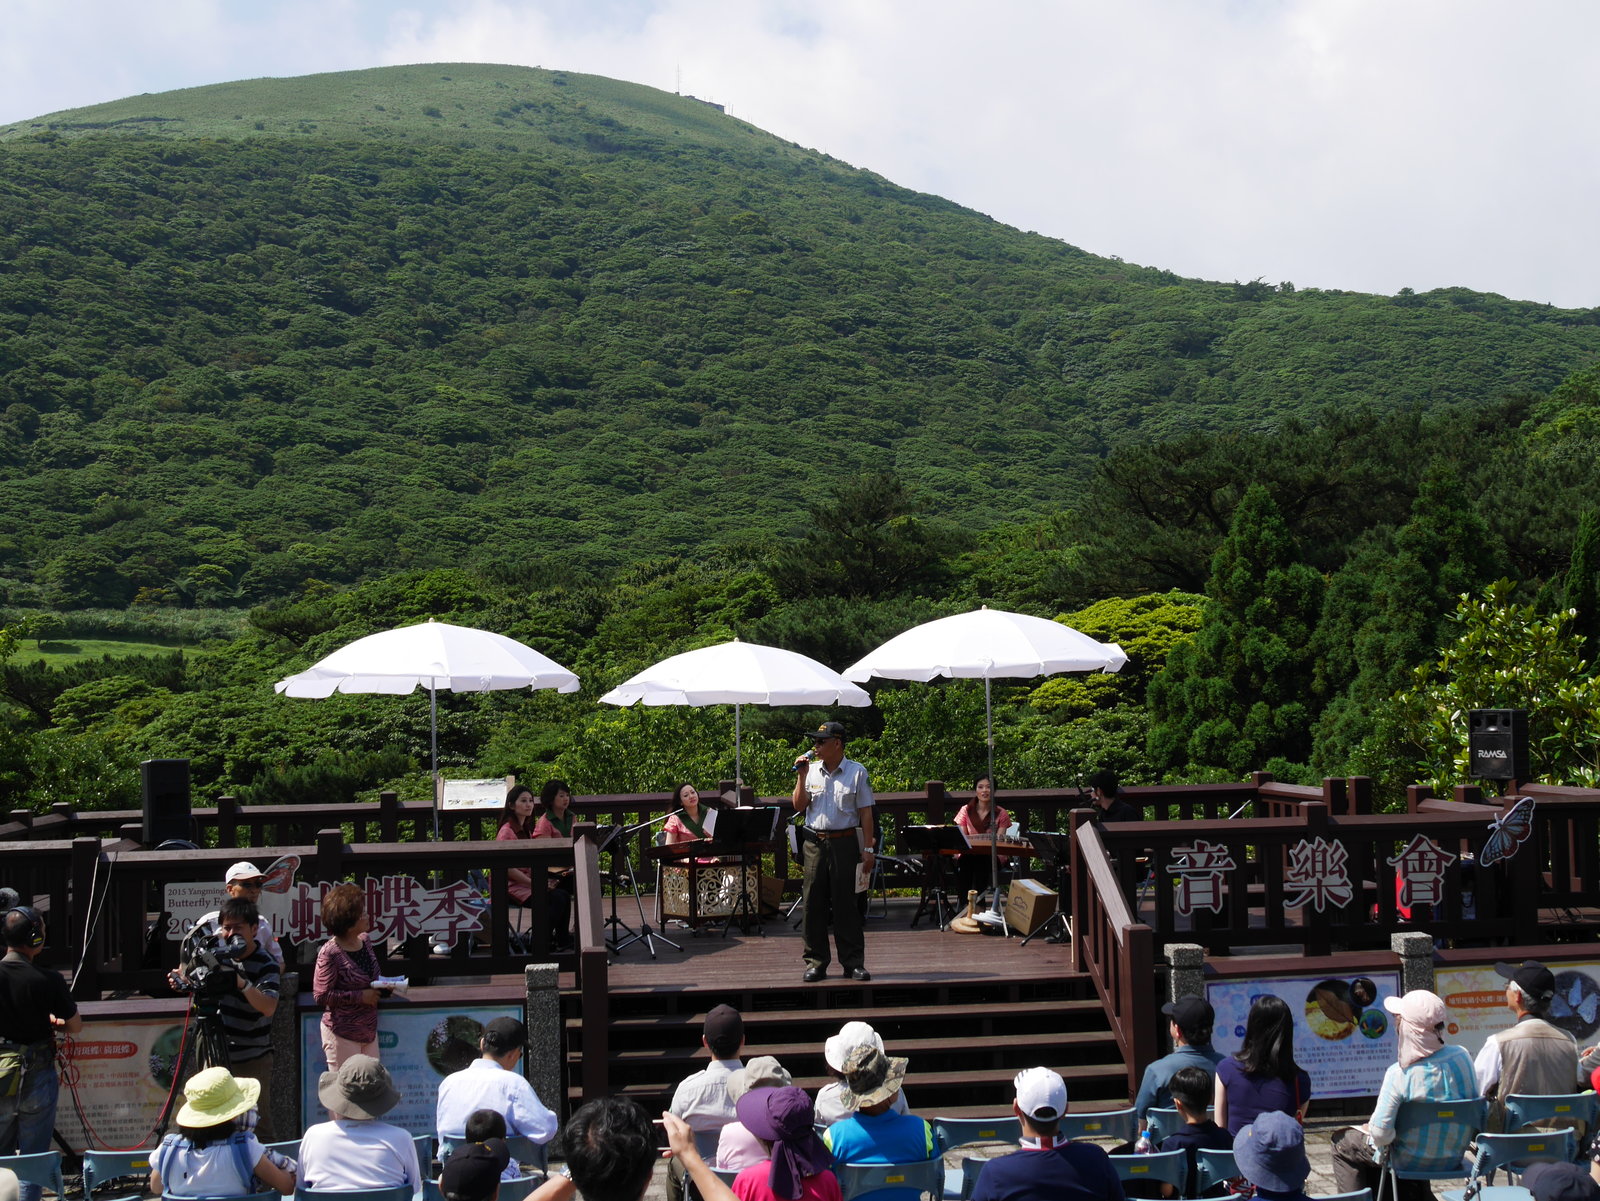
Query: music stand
[1054,848]
[933,841]
[645,934]
[736,830]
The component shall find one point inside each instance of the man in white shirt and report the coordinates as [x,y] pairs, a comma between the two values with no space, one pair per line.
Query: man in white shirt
[493,1082]
[355,1150]
[1533,1056]
[702,1098]
[243,879]
[836,841]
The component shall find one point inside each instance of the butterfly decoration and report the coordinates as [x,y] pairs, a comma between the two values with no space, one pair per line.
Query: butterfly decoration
[1576,1002]
[1508,832]
[281,874]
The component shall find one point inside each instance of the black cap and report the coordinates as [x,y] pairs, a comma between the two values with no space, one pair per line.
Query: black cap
[1191,1013]
[724,1030]
[827,730]
[1537,982]
[472,1173]
[1560,1182]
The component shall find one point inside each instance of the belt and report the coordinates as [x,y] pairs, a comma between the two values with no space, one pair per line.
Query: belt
[850,833]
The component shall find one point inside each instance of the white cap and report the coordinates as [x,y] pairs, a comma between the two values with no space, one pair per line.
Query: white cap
[851,1035]
[243,871]
[1041,1094]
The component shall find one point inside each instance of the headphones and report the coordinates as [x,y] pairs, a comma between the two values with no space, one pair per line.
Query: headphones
[29,932]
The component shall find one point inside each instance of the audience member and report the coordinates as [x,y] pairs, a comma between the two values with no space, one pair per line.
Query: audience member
[702,1098]
[1066,1171]
[1271,1154]
[737,1148]
[210,1155]
[1262,1075]
[874,1132]
[1427,1069]
[610,1146]
[482,1126]
[492,1081]
[354,1150]
[1533,1056]
[473,1171]
[1189,1021]
[832,1099]
[1190,1089]
[1560,1182]
[799,1165]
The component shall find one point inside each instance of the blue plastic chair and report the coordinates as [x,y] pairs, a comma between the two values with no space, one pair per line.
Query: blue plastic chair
[924,1175]
[970,1170]
[1119,1125]
[1464,1120]
[1513,1153]
[102,1167]
[41,1167]
[267,1196]
[1578,1110]
[949,1133]
[1166,1167]
[1212,1167]
[1360,1194]
[1162,1120]
[289,1147]
[396,1192]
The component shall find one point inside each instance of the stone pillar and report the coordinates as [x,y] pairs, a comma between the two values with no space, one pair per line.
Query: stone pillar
[1415,952]
[1186,977]
[541,1009]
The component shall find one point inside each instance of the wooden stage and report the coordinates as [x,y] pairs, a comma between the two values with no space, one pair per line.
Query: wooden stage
[970,1011]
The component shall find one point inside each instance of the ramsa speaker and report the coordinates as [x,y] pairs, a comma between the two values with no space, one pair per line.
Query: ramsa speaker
[1497,744]
[164,784]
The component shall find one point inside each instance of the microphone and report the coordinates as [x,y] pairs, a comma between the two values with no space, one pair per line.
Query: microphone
[805,761]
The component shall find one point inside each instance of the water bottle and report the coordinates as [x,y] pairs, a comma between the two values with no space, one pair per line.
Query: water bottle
[1142,1147]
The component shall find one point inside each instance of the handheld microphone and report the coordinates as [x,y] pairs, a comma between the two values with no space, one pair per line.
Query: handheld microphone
[805,761]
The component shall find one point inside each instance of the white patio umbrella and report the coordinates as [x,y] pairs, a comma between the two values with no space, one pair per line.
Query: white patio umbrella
[431,655]
[987,644]
[738,673]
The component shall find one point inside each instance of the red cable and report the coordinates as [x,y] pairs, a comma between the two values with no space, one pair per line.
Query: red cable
[177,1073]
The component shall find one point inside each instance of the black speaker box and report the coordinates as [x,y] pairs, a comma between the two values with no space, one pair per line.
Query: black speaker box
[164,785]
[1497,744]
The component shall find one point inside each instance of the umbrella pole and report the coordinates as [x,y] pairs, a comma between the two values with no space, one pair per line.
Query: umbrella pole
[433,748]
[738,778]
[996,915]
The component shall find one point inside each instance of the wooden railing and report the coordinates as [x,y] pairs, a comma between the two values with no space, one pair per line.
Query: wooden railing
[1117,951]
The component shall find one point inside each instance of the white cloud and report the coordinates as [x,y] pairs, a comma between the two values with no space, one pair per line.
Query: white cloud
[1361,144]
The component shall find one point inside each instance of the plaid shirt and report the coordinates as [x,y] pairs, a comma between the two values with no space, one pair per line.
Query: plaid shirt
[1446,1075]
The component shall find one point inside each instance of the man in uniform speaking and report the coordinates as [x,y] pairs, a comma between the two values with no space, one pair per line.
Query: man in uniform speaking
[836,797]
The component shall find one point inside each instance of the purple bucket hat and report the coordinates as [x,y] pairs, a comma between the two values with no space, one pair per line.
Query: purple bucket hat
[784,1118]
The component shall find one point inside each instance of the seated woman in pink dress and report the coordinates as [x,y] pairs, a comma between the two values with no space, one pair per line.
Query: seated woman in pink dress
[694,823]
[977,818]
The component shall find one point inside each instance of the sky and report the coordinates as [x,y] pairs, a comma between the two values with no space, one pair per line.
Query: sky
[1368,145]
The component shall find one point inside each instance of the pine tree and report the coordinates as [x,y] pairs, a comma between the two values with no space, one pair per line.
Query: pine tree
[1581,588]
[1239,694]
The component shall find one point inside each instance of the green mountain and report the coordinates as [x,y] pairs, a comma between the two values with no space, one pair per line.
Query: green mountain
[273,331]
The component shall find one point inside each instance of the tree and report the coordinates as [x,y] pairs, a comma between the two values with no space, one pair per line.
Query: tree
[1505,656]
[1581,588]
[1238,693]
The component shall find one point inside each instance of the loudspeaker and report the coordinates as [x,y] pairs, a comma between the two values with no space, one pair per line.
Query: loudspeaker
[1497,744]
[164,785]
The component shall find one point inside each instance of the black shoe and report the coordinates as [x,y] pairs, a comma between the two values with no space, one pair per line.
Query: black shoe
[860,973]
[813,974]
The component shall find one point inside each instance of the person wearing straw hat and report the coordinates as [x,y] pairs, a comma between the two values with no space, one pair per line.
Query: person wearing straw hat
[874,1133]
[1049,1165]
[799,1166]
[354,1150]
[833,1098]
[1428,1069]
[209,1155]
[737,1147]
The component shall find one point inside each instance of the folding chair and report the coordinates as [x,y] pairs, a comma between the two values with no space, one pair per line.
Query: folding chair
[267,1196]
[516,1190]
[1115,1124]
[102,1167]
[397,1192]
[691,1191]
[949,1133]
[41,1167]
[289,1147]
[1162,1121]
[1578,1110]
[1163,1167]
[1463,1120]
[1513,1152]
[1360,1194]
[924,1175]
[1213,1167]
[969,1170]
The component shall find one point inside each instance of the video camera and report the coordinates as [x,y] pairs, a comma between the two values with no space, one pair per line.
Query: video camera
[211,964]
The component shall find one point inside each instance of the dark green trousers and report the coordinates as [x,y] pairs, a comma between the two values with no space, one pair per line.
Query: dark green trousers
[829,884]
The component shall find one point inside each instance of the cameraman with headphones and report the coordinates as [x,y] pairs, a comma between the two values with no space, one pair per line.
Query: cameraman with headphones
[34,1006]
[240,980]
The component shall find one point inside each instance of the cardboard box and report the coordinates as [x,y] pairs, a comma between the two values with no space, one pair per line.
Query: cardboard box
[1029,905]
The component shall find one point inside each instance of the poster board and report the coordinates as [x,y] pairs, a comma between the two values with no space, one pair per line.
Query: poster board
[474,794]
[116,1081]
[419,1044]
[1343,1037]
[1475,1002]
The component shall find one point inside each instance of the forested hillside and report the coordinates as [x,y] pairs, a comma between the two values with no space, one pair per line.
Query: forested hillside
[542,324]
[285,362]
